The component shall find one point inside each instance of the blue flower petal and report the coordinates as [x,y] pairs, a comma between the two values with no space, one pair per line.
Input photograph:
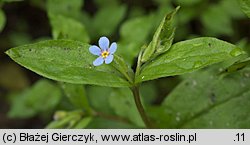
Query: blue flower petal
[104,43]
[95,50]
[112,48]
[109,59]
[98,61]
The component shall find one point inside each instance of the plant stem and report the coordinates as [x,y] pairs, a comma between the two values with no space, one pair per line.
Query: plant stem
[139,106]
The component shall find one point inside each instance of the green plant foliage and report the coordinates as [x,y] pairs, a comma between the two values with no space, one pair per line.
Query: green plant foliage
[69,61]
[131,43]
[173,67]
[83,123]
[65,21]
[221,19]
[8,82]
[68,28]
[123,104]
[236,66]
[120,65]
[207,100]
[187,56]
[98,98]
[64,119]
[2,20]
[40,98]
[189,2]
[106,3]
[227,6]
[66,8]
[20,38]
[112,16]
[162,39]
[104,123]
[221,14]
[115,102]
[76,95]
[245,5]
[140,26]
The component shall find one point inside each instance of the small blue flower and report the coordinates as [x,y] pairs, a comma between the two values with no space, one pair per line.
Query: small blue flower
[104,52]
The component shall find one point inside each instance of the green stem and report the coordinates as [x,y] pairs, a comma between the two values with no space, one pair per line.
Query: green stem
[139,106]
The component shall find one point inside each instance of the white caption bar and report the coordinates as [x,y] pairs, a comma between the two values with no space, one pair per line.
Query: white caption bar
[125,136]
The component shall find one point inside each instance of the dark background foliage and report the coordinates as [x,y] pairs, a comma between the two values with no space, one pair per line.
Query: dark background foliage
[27,21]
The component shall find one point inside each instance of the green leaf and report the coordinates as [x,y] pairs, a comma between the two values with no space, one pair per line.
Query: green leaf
[128,51]
[122,102]
[106,3]
[19,38]
[66,61]
[83,123]
[40,98]
[136,30]
[123,68]
[67,8]
[188,56]
[162,39]
[105,123]
[76,95]
[245,6]
[188,2]
[185,15]
[134,33]
[232,8]
[64,119]
[205,100]
[98,97]
[115,102]
[68,28]
[149,91]
[107,19]
[213,18]
[2,20]
[236,66]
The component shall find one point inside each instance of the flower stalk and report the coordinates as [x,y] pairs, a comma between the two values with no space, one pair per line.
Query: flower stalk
[140,108]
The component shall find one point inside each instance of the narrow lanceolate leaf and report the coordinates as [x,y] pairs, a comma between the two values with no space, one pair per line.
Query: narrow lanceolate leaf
[245,6]
[83,123]
[66,61]
[188,56]
[163,37]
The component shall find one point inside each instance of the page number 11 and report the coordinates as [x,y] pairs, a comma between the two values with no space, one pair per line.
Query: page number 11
[240,137]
